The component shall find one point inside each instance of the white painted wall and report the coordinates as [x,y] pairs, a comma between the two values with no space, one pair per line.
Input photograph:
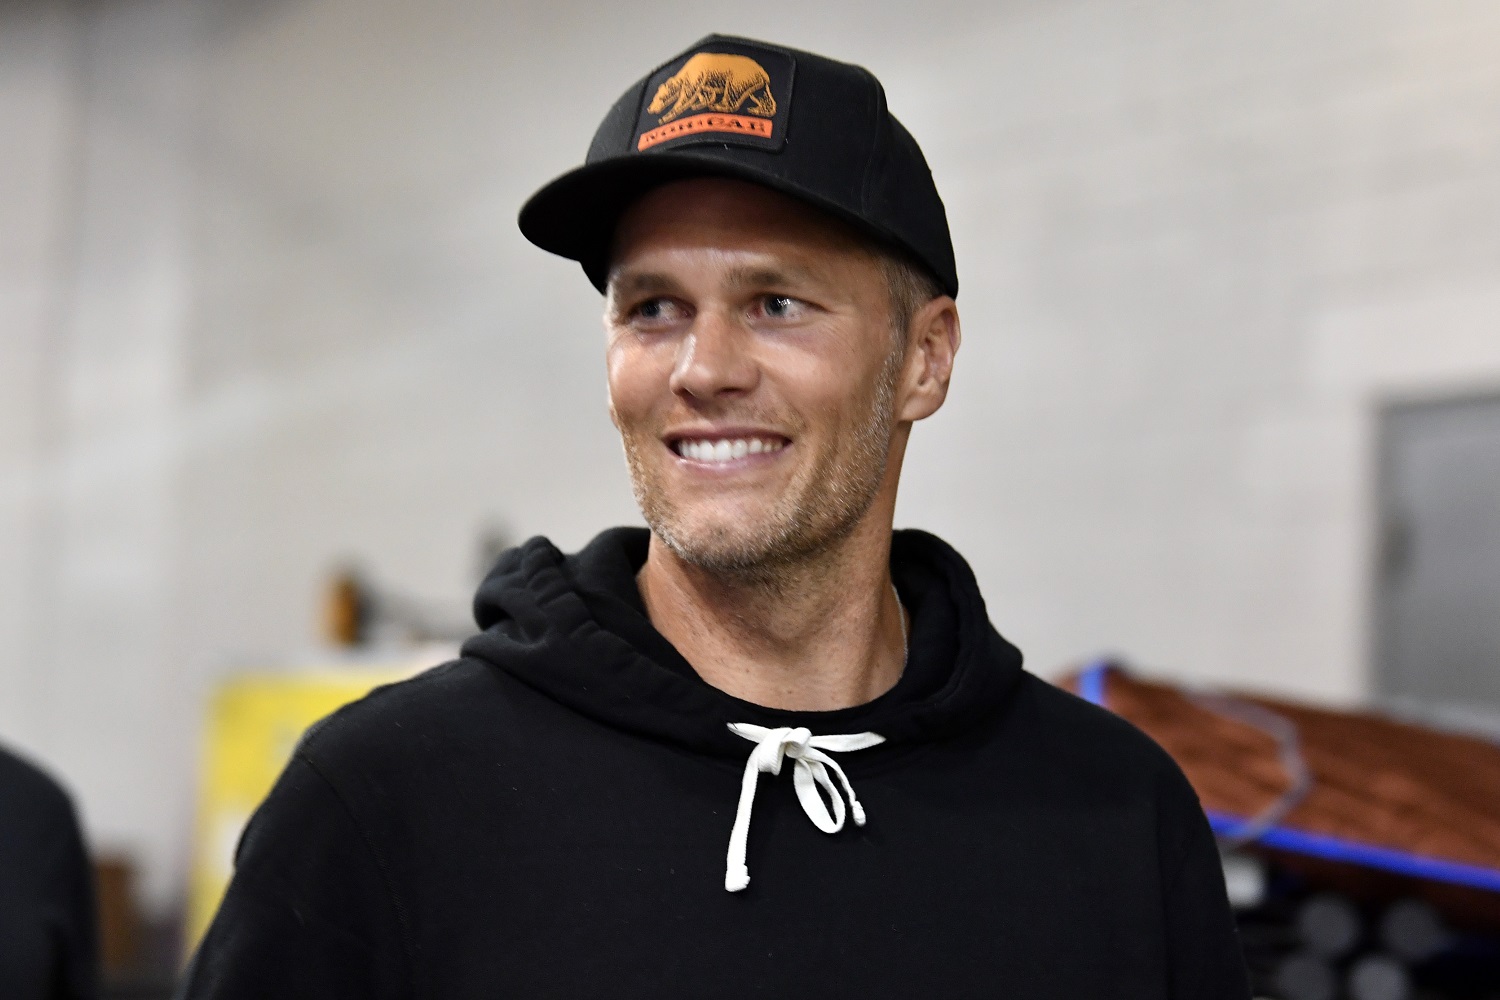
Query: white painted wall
[263,306]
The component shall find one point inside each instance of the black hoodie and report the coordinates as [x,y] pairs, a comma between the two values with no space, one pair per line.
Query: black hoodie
[549,815]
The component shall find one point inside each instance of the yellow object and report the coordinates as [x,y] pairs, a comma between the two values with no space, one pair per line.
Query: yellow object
[253,725]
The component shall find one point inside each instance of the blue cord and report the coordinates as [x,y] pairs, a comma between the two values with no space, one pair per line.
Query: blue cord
[1321,845]
[1092,684]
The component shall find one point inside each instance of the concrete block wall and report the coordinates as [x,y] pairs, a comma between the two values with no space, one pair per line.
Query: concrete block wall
[263,308]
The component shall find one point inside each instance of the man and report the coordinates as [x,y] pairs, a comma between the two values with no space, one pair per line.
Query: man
[591,801]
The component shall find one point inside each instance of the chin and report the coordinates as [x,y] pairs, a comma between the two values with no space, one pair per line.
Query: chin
[741,537]
[717,545]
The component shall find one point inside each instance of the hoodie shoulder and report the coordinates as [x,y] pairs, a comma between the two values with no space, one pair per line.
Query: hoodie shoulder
[398,724]
[1093,758]
[23,781]
[34,807]
[1085,741]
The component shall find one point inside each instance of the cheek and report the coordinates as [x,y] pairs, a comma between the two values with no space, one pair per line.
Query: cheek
[635,382]
[831,388]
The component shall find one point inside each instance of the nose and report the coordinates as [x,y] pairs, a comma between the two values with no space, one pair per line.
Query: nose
[714,360]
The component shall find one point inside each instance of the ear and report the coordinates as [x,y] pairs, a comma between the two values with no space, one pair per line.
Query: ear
[931,343]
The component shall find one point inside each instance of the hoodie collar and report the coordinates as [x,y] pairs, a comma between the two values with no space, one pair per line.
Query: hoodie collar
[575,629]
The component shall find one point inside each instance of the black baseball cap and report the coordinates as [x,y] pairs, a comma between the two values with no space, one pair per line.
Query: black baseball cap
[807,126]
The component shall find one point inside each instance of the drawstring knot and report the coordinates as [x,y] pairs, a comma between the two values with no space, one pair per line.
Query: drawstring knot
[810,767]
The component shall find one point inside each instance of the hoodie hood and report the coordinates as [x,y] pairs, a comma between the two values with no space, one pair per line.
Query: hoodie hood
[573,627]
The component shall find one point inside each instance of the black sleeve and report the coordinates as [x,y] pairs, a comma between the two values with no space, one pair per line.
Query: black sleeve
[1203,946]
[75,922]
[48,928]
[310,911]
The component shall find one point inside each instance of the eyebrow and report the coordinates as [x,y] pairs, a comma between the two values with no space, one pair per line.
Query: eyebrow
[751,276]
[637,282]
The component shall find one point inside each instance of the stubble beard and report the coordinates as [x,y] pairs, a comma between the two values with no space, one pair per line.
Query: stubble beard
[817,511]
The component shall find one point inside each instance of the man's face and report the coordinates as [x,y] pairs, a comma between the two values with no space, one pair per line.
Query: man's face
[751,373]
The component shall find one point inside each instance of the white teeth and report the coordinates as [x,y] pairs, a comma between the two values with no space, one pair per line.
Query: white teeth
[724,449]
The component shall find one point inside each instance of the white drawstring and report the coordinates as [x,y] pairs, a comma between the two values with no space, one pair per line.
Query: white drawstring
[809,770]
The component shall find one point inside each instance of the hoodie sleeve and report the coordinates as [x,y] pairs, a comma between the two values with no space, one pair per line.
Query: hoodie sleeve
[309,912]
[77,927]
[49,939]
[1203,945]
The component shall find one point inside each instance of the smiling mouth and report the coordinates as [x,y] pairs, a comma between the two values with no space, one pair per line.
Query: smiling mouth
[721,450]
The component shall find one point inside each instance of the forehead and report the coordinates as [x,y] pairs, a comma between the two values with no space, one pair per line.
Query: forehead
[731,215]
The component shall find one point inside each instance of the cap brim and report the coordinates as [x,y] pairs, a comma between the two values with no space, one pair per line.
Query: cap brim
[575,215]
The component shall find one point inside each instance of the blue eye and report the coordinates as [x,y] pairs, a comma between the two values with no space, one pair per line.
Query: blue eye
[779,306]
[661,309]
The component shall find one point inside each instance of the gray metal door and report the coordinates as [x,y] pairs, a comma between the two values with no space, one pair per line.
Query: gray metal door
[1438,603]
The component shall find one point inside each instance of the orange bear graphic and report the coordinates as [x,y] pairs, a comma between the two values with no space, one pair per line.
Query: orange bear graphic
[712,81]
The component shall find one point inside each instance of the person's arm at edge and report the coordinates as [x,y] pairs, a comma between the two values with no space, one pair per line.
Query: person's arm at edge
[80,973]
